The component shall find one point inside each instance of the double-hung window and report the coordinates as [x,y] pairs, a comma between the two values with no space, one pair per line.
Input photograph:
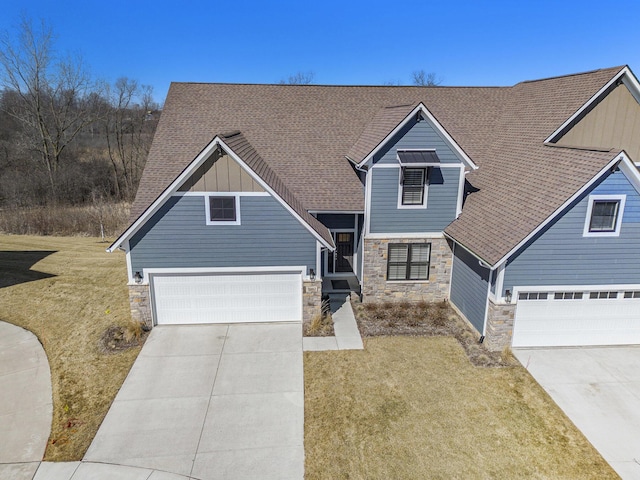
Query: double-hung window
[222,210]
[413,186]
[604,215]
[408,261]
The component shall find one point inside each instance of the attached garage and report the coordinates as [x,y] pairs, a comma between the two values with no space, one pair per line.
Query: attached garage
[226,297]
[573,318]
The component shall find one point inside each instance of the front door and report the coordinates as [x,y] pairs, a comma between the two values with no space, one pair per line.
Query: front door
[344,252]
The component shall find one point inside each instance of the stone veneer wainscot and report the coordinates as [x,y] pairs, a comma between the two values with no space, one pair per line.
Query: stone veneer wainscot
[140,304]
[311,300]
[499,331]
[377,288]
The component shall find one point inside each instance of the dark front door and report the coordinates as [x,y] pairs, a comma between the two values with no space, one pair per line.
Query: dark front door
[344,252]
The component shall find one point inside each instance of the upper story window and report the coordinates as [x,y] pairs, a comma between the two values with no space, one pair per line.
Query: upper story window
[414,176]
[222,210]
[413,186]
[604,215]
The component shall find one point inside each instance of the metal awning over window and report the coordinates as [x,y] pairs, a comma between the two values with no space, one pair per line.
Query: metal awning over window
[418,158]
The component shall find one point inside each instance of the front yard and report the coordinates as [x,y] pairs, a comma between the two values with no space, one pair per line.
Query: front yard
[69,291]
[415,407]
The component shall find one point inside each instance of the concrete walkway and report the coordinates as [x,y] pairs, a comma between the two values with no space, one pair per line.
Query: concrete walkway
[25,399]
[599,390]
[210,402]
[347,336]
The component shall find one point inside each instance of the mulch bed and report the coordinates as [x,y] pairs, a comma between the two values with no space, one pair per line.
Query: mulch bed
[425,319]
[116,338]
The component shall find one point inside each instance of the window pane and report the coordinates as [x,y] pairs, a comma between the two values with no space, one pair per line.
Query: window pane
[398,253]
[397,272]
[603,216]
[420,252]
[418,271]
[222,209]
[413,177]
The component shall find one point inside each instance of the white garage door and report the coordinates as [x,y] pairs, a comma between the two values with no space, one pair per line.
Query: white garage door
[228,298]
[577,318]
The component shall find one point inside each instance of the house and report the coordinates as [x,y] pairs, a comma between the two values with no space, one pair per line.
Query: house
[520,205]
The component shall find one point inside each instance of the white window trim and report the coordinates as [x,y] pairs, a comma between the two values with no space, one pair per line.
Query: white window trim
[423,205]
[207,209]
[587,221]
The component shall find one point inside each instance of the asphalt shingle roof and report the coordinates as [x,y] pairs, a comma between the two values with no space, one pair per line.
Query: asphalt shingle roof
[303,133]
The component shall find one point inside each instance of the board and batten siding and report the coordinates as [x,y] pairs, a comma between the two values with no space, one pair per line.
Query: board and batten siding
[562,256]
[469,286]
[613,123]
[442,198]
[416,135]
[177,236]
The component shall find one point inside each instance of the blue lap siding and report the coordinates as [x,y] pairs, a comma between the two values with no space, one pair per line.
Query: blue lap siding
[561,255]
[177,237]
[442,198]
[469,286]
[442,191]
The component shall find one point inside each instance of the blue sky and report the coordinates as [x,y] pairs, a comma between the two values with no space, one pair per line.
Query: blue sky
[341,42]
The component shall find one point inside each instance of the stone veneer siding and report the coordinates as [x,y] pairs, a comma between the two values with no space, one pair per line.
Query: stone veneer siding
[499,331]
[376,288]
[311,300]
[140,304]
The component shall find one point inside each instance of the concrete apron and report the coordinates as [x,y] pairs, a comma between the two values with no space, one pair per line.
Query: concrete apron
[599,390]
[211,402]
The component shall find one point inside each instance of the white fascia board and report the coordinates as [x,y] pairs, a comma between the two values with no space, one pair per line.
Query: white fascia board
[425,111]
[173,187]
[460,199]
[385,236]
[573,288]
[221,270]
[367,202]
[623,161]
[628,79]
[336,212]
[418,165]
[483,263]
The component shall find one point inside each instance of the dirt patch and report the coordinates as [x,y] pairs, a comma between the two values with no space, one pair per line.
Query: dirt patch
[425,319]
[117,338]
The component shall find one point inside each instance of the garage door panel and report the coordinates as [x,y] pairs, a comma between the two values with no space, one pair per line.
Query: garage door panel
[186,299]
[553,322]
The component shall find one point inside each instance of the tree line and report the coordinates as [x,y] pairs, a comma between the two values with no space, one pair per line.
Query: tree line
[65,137]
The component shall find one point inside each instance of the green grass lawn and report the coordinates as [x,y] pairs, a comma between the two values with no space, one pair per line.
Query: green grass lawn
[415,407]
[68,291]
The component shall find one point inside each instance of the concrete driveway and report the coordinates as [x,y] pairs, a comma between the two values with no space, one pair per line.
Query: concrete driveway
[599,390]
[211,402]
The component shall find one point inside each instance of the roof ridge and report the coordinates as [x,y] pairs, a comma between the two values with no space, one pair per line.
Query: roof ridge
[618,68]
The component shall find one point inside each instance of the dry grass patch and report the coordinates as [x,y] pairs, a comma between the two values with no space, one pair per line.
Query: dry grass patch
[414,407]
[69,298]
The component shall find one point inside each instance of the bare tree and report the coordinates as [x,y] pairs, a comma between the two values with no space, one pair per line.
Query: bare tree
[52,103]
[424,79]
[129,127]
[299,78]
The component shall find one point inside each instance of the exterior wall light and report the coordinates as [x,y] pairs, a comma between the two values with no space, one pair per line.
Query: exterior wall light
[507,296]
[137,277]
[312,274]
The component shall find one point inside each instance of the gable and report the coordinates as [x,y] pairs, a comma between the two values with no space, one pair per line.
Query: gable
[563,255]
[414,135]
[220,173]
[613,123]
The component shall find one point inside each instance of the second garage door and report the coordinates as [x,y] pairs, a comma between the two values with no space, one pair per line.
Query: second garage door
[589,317]
[227,298]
